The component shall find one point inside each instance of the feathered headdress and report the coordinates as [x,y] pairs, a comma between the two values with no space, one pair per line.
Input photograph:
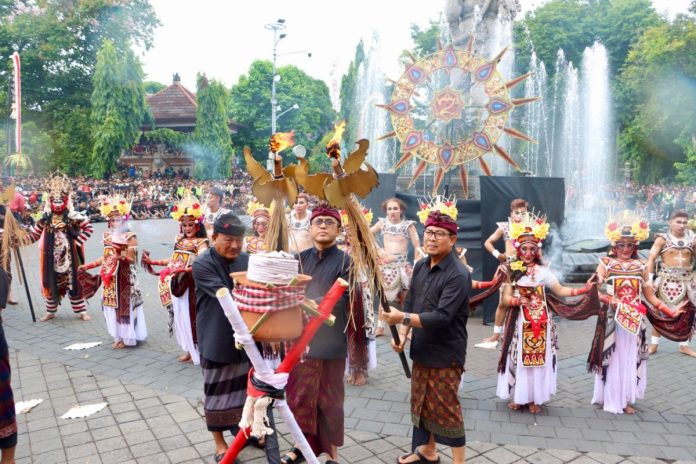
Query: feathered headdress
[531,227]
[188,206]
[627,224]
[439,203]
[116,204]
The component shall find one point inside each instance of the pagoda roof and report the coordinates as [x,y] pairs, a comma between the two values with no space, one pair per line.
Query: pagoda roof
[175,107]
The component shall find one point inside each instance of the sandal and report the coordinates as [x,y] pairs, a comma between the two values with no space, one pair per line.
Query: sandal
[299,457]
[421,459]
[218,457]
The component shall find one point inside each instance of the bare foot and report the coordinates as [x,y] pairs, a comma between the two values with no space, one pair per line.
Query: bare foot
[118,346]
[84,316]
[493,338]
[652,349]
[185,358]
[379,332]
[514,406]
[358,379]
[629,410]
[534,408]
[47,317]
[686,349]
[11,302]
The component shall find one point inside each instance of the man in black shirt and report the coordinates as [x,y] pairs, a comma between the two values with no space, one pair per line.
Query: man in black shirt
[436,307]
[315,389]
[225,368]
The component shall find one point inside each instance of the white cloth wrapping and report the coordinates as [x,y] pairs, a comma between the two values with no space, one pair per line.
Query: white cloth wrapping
[243,337]
[534,384]
[182,326]
[625,384]
[131,333]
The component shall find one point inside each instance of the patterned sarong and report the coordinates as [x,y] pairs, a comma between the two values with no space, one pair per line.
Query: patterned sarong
[397,277]
[225,394]
[315,394]
[8,423]
[435,405]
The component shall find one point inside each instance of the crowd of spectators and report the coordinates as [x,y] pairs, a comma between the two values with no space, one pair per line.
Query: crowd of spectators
[656,202]
[152,198]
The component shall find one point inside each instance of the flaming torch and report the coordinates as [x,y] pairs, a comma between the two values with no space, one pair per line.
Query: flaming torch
[279,142]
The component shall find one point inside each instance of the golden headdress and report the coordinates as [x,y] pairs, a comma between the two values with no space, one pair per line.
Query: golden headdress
[627,224]
[366,212]
[116,204]
[188,206]
[58,185]
[255,209]
[531,227]
[439,203]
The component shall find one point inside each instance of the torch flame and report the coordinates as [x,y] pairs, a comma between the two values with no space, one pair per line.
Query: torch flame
[282,140]
[333,147]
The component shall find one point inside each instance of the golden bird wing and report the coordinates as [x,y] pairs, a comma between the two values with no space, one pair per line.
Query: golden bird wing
[356,158]
[312,183]
[359,183]
[257,171]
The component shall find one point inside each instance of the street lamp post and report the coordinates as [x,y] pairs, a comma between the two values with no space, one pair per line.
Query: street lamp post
[279,25]
[293,107]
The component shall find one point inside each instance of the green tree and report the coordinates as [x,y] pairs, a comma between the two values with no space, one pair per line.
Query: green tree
[350,110]
[657,91]
[250,105]
[425,40]
[211,145]
[573,25]
[153,86]
[118,107]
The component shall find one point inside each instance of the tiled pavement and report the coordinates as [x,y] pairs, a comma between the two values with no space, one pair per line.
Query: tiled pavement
[154,412]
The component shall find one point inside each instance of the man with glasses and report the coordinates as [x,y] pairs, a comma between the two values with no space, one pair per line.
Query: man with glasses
[437,308]
[299,237]
[675,284]
[225,368]
[315,390]
[397,234]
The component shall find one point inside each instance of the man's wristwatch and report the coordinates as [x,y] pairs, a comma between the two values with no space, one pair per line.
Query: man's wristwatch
[407,319]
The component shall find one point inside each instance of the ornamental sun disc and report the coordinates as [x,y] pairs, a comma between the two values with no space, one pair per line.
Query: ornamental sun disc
[447,106]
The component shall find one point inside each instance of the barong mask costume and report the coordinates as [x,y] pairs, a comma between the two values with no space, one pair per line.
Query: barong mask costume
[61,234]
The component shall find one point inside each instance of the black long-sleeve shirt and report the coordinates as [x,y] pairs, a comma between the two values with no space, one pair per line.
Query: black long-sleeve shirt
[215,334]
[440,297]
[326,267]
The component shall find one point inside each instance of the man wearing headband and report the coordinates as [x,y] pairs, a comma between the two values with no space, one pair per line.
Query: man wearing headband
[225,368]
[437,307]
[315,389]
[213,208]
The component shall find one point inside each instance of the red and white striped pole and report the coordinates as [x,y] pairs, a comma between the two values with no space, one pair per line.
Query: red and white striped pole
[17,101]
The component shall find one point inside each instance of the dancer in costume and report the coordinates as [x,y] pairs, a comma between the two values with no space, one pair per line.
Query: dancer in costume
[261,218]
[621,377]
[676,281]
[437,307]
[122,302]
[528,361]
[176,287]
[299,237]
[362,349]
[8,422]
[518,208]
[397,234]
[61,233]
[213,208]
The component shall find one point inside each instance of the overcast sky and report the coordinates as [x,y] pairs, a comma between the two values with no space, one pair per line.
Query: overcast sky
[222,37]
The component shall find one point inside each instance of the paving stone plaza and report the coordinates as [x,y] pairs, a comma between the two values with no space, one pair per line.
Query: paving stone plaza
[155,412]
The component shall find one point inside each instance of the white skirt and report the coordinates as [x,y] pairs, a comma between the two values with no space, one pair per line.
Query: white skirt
[534,384]
[182,326]
[625,384]
[130,333]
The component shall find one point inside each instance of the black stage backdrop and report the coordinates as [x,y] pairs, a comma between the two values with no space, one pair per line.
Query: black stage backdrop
[544,194]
